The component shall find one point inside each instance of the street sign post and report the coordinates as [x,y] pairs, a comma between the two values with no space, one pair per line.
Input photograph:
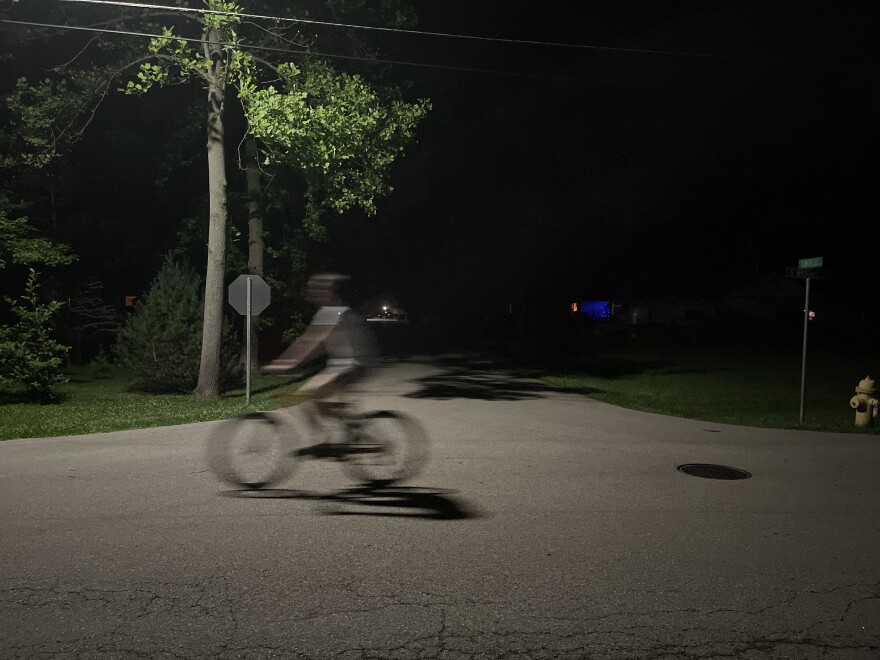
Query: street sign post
[249,295]
[808,269]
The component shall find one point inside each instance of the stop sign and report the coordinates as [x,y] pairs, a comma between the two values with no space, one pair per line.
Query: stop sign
[260,294]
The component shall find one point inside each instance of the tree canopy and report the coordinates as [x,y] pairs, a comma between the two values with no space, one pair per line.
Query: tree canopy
[337,131]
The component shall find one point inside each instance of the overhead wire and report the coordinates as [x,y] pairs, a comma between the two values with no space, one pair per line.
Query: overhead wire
[449,35]
[283,19]
[245,46]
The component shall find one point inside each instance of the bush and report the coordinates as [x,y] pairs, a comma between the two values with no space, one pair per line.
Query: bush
[161,342]
[93,324]
[294,332]
[101,366]
[29,356]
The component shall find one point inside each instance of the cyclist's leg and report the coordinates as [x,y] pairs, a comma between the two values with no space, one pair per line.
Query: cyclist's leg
[322,389]
[312,410]
[338,380]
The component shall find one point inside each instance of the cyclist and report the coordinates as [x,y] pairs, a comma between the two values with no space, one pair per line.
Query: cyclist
[337,331]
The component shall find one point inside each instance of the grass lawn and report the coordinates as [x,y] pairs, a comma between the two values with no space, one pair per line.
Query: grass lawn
[731,386]
[94,405]
[747,387]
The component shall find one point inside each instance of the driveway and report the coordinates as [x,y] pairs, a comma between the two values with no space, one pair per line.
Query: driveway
[546,525]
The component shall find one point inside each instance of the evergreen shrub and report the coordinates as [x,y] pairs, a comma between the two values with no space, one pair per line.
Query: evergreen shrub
[101,366]
[161,342]
[93,324]
[29,356]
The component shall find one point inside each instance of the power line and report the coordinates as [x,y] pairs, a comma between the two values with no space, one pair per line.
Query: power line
[526,42]
[129,33]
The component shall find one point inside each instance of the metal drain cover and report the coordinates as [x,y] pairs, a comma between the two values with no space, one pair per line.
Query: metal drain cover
[709,471]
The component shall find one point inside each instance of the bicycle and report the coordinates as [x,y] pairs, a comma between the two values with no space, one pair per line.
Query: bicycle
[261,449]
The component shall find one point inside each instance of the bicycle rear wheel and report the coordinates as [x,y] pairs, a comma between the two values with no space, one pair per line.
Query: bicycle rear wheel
[385,447]
[252,451]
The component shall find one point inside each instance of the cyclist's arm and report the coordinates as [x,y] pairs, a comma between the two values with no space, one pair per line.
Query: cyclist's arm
[309,346]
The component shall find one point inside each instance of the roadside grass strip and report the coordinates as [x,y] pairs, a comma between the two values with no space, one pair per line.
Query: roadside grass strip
[97,405]
[723,386]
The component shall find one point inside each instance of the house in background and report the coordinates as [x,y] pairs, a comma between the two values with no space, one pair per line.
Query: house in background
[773,308]
[671,312]
[596,309]
[769,308]
[687,320]
[770,299]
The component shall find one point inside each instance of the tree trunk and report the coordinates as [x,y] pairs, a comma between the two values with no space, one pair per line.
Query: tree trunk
[212,326]
[256,244]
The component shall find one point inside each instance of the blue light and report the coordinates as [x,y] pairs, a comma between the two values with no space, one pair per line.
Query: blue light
[595,309]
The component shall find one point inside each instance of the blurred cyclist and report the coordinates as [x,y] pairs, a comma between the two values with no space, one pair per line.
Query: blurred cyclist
[337,331]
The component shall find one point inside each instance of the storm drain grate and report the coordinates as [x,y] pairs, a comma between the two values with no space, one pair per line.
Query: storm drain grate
[709,471]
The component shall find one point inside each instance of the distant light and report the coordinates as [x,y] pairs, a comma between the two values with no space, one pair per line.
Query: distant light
[811,315]
[574,307]
[384,308]
[595,309]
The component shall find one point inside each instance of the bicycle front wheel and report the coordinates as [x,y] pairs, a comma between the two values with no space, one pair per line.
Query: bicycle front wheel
[251,451]
[386,447]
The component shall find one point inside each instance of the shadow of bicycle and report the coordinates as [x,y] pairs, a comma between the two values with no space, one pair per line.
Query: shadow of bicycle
[467,383]
[390,501]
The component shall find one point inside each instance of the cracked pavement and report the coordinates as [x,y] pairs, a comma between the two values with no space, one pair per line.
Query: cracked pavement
[573,536]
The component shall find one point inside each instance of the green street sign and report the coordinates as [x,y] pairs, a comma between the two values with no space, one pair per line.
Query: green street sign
[814,262]
[806,273]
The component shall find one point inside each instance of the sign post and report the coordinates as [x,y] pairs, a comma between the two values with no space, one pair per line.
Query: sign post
[807,269]
[247,370]
[249,295]
[804,354]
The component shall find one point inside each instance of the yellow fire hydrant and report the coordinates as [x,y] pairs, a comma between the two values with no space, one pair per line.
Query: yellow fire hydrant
[864,402]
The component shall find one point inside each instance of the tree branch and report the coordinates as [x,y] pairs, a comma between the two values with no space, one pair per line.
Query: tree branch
[265,63]
[299,44]
[75,135]
[113,21]
[75,57]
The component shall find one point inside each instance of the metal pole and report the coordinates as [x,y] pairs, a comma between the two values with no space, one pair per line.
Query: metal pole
[248,364]
[804,356]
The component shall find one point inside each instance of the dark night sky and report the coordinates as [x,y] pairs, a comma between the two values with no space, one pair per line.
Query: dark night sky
[624,174]
[609,173]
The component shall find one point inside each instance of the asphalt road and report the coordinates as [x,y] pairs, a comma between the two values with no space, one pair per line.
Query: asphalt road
[546,526]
